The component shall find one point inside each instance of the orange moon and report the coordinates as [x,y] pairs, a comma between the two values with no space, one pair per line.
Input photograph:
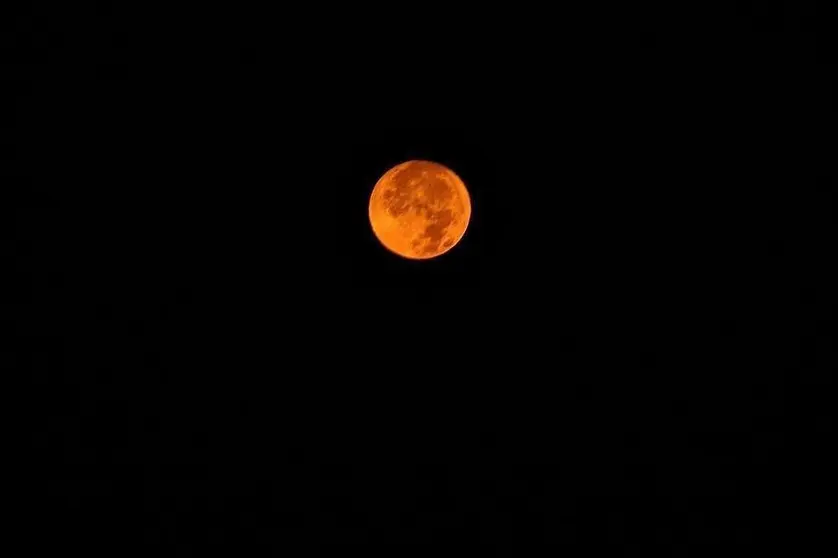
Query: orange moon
[419,209]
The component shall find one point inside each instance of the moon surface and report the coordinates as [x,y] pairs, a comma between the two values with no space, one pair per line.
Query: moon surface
[419,209]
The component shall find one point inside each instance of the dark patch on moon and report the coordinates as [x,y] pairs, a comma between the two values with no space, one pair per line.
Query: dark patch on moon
[398,198]
[438,191]
[434,233]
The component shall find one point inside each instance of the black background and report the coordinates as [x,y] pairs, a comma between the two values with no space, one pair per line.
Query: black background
[629,347]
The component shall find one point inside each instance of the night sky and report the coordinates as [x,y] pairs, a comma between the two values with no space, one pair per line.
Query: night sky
[629,348]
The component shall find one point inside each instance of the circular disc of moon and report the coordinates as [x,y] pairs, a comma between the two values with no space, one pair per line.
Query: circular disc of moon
[419,209]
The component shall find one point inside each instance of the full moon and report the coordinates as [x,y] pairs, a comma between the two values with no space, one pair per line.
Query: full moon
[419,209]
